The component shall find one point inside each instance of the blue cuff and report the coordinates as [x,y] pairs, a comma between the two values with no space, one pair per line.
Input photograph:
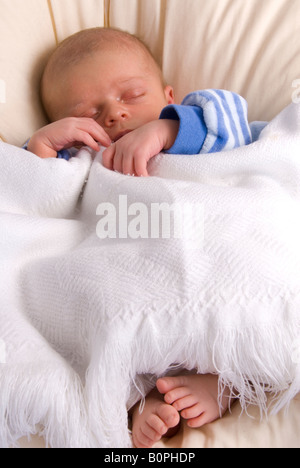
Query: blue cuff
[63,154]
[192,129]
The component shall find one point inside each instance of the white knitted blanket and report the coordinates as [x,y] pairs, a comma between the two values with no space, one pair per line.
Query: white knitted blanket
[88,323]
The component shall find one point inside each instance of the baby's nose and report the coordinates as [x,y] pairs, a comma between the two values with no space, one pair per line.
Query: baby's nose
[115,113]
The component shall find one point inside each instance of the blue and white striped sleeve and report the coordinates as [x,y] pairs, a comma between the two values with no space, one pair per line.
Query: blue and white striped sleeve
[210,121]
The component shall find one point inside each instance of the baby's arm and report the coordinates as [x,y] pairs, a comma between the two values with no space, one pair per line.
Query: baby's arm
[210,121]
[131,153]
[65,133]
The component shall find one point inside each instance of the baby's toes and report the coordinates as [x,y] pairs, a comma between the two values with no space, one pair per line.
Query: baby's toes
[166,384]
[169,416]
[176,394]
[140,440]
[197,416]
[151,431]
[192,412]
[150,435]
[157,426]
[202,420]
[186,402]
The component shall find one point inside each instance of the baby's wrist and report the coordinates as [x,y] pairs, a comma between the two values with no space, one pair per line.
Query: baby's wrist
[171,128]
[39,148]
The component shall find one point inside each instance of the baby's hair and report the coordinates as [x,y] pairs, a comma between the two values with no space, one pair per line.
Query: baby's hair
[85,43]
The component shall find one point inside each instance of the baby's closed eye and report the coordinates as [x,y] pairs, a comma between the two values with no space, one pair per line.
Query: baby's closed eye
[132,95]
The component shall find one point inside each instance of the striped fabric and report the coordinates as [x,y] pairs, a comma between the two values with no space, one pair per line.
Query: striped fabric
[225,116]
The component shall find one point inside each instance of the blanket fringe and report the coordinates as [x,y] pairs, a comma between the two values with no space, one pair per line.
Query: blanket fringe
[43,396]
[266,377]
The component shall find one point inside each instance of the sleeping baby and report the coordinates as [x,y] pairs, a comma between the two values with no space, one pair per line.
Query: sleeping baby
[103,87]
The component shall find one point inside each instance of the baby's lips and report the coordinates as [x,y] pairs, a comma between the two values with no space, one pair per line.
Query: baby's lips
[120,135]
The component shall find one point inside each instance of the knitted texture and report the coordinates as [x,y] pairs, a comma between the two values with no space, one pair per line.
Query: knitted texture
[88,321]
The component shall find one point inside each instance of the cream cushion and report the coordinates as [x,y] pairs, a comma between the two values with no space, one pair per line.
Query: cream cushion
[251,47]
[29,31]
[26,35]
[247,46]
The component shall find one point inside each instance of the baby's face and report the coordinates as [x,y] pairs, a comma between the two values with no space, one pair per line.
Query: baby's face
[118,89]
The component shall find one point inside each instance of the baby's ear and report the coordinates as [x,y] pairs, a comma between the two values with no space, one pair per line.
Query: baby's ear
[169,93]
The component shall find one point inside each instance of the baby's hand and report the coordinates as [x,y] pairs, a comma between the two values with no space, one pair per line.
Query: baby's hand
[66,133]
[131,153]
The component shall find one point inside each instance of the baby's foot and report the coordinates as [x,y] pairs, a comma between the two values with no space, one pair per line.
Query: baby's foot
[195,397]
[154,422]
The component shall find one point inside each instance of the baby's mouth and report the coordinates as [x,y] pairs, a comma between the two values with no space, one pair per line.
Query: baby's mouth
[120,135]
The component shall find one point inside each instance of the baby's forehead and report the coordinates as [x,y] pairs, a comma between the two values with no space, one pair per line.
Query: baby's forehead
[135,51]
[123,63]
[115,43]
[86,43]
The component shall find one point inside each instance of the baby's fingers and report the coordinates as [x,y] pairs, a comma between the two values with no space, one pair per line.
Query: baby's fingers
[140,165]
[96,131]
[108,157]
[88,140]
[128,166]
